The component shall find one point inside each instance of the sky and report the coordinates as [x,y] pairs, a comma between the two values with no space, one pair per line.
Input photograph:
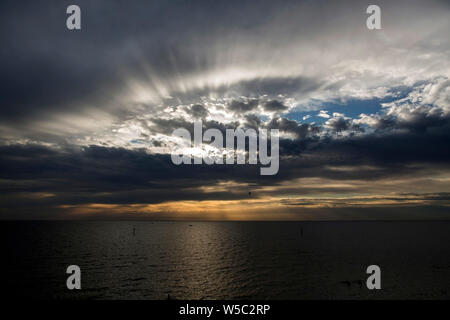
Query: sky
[86,116]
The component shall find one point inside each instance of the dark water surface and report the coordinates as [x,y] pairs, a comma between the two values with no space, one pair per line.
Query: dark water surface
[226,260]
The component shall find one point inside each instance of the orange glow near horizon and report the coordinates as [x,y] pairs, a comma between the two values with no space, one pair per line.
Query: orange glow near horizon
[239,210]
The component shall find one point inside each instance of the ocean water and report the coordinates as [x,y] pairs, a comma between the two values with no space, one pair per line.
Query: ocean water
[226,260]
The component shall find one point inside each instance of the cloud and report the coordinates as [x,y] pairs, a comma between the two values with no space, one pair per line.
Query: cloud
[275,105]
[41,177]
[253,121]
[112,73]
[198,111]
[243,106]
[338,123]
[323,114]
[425,108]
[301,130]
[86,117]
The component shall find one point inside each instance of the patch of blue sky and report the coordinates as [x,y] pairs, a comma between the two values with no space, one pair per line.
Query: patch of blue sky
[350,108]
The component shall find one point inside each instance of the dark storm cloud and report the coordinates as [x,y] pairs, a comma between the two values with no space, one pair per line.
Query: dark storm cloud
[46,67]
[396,148]
[301,130]
[114,175]
[252,121]
[275,105]
[339,124]
[243,106]
[419,121]
[198,111]
[107,175]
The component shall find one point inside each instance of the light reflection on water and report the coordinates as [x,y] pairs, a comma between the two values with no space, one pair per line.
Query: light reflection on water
[227,260]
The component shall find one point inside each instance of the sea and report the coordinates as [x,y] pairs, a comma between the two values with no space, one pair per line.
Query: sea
[225,260]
